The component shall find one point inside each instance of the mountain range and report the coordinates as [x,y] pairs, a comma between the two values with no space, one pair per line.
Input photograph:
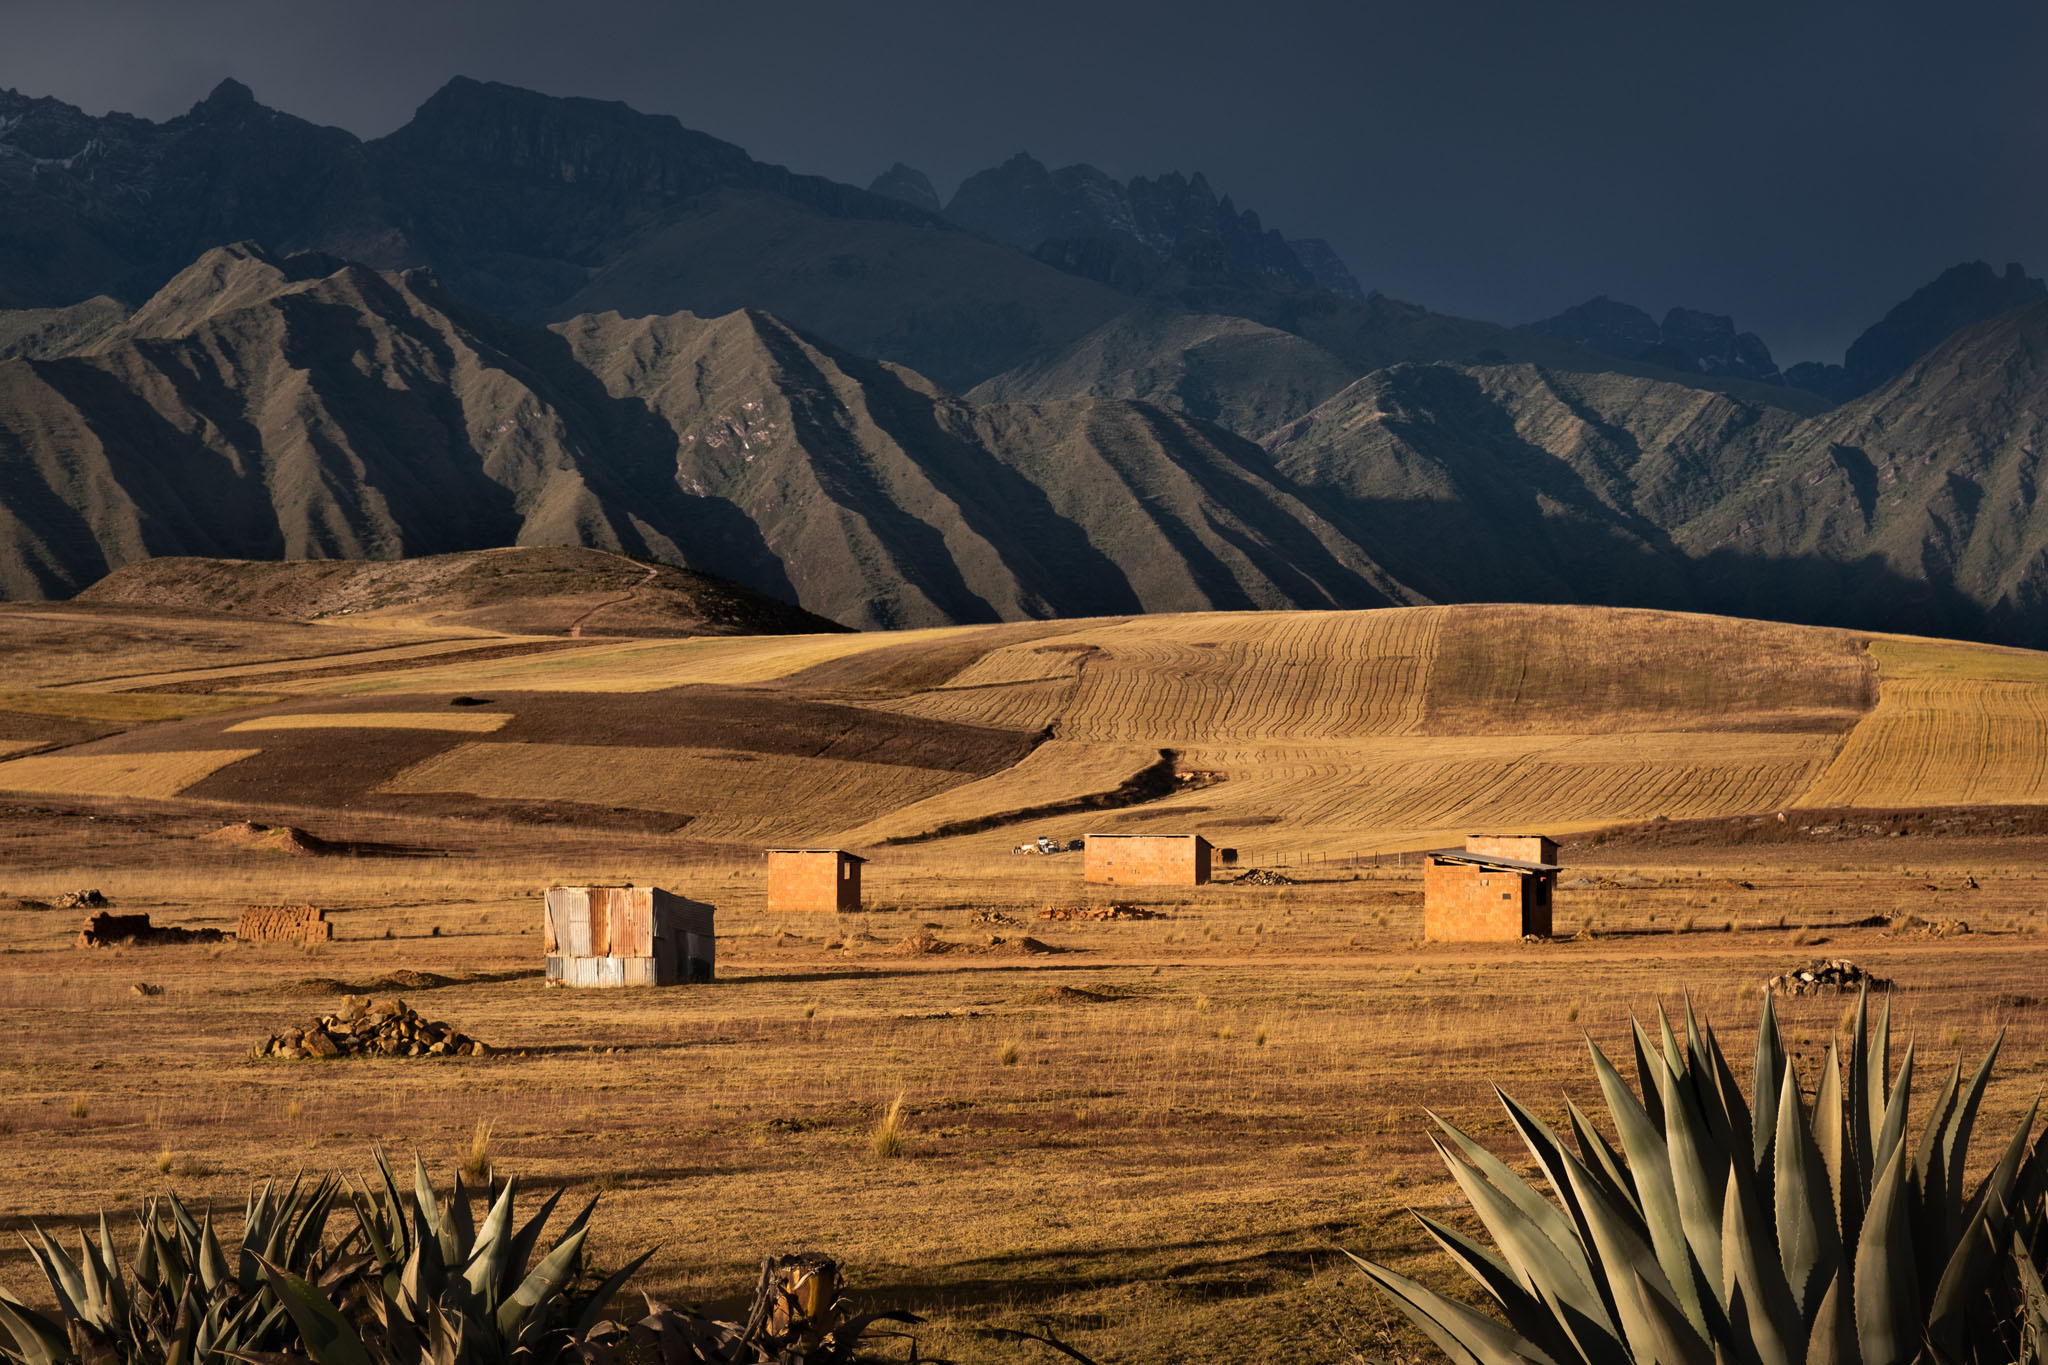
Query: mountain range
[525,320]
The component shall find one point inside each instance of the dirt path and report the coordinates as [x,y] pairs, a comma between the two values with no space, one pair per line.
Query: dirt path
[576,626]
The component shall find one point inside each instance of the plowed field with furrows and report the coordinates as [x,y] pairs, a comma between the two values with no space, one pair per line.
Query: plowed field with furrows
[1056,771]
[727,794]
[1402,788]
[1939,736]
[1206,677]
[1313,731]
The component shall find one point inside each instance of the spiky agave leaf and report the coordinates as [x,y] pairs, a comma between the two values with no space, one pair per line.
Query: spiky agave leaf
[1726,1228]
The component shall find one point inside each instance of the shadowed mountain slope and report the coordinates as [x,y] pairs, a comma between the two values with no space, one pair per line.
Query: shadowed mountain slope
[1935,476]
[259,408]
[1234,372]
[538,208]
[1959,297]
[1912,508]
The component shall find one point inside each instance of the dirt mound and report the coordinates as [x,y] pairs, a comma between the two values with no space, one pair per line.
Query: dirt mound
[274,838]
[1099,912]
[23,903]
[1023,945]
[1074,995]
[372,1028]
[404,979]
[924,945]
[1829,975]
[930,945]
[1899,925]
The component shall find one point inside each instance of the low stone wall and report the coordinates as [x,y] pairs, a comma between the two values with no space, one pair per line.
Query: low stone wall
[284,924]
[105,929]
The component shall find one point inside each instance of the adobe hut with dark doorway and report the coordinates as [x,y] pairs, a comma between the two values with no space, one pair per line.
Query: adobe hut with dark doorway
[1146,859]
[1497,887]
[627,936]
[822,881]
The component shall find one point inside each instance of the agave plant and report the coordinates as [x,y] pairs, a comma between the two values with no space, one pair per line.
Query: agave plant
[185,1299]
[1765,1230]
[447,1289]
[797,1318]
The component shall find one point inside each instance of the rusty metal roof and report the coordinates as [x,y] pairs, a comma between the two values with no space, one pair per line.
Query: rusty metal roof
[839,851]
[1461,855]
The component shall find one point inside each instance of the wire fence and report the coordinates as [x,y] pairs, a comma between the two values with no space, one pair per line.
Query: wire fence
[1249,857]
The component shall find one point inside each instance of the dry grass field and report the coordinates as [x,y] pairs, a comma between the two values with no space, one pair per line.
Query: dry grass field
[1151,1134]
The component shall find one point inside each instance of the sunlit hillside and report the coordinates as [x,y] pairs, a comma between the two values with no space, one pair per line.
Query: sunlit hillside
[1281,732]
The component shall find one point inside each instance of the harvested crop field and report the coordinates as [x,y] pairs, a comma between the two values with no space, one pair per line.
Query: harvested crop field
[1947,730]
[153,774]
[470,722]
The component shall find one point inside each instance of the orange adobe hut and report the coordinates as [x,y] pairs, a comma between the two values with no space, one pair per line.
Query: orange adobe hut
[1147,859]
[814,880]
[1497,887]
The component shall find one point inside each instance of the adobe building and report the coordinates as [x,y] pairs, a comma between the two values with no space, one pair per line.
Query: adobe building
[1498,886]
[1146,859]
[627,936]
[814,880]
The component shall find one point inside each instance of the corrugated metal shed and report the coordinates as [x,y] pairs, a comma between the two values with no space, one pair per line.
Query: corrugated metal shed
[627,936]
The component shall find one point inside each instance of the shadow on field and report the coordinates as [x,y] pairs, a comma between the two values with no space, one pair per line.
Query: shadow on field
[950,969]
[1039,1278]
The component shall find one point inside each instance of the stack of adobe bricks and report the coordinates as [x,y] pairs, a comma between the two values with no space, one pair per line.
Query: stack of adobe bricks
[284,924]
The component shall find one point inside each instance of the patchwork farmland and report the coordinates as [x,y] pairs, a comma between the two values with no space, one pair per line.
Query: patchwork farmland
[1385,730]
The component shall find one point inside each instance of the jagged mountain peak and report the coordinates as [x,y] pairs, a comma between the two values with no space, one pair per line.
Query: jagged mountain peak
[1688,340]
[908,185]
[229,94]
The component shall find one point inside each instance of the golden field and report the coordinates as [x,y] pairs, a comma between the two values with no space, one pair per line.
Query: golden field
[1153,1135]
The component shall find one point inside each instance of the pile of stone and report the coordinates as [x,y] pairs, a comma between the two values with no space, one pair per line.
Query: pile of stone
[1829,975]
[1260,876]
[373,1028]
[81,900]
[1098,912]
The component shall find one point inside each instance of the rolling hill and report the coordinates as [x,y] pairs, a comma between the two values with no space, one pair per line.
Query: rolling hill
[568,591]
[1310,732]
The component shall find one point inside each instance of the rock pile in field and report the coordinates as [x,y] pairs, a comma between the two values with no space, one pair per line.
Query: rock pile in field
[104,930]
[373,1028]
[1099,912]
[1834,974]
[1260,876]
[81,900]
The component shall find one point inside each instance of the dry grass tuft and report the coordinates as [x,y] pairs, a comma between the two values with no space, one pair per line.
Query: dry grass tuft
[888,1139]
[80,1107]
[476,1160]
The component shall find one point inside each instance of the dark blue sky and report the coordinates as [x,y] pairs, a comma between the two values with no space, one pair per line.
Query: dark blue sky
[1801,166]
